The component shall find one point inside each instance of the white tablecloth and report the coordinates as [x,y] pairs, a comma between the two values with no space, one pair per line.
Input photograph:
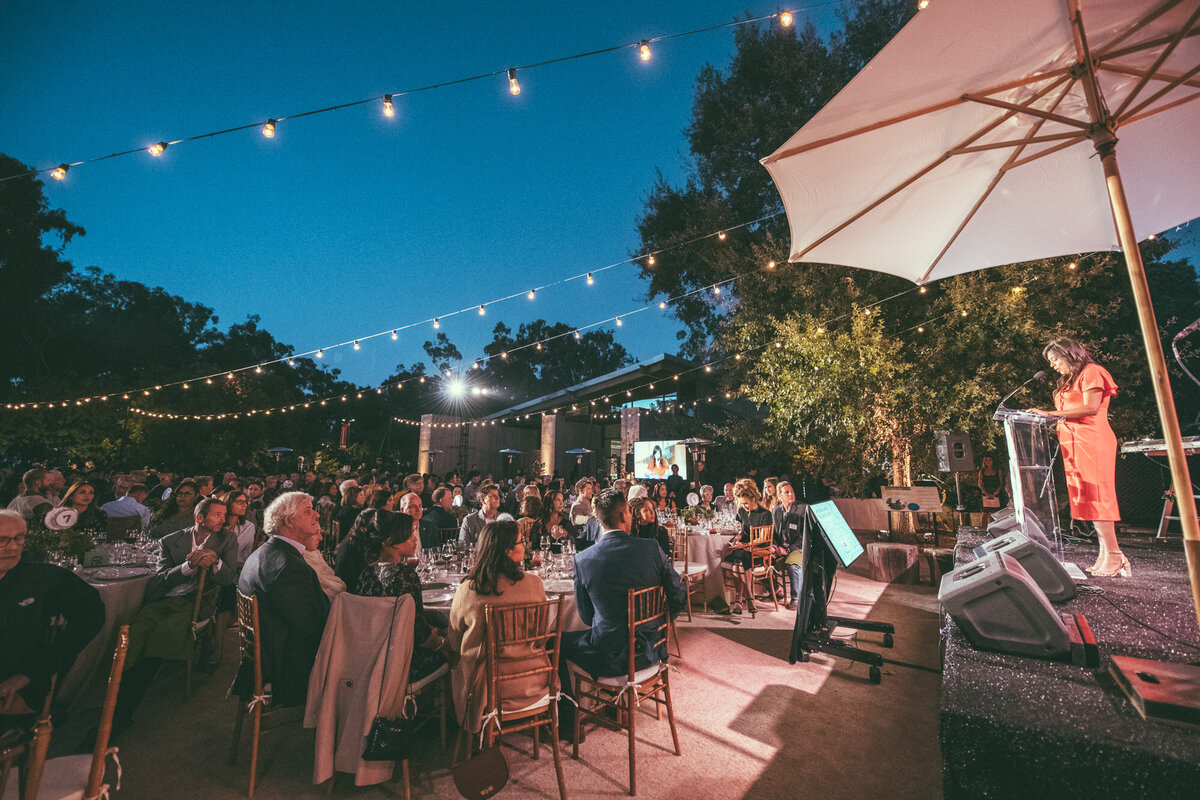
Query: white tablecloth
[571,619]
[706,548]
[83,687]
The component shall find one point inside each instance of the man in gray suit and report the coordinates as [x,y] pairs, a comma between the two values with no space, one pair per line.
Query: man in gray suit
[162,628]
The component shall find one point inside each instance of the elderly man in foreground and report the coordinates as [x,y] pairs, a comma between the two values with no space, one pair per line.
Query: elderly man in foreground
[292,606]
[47,616]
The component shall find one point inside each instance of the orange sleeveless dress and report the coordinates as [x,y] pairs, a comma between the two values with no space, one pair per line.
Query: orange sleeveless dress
[1089,448]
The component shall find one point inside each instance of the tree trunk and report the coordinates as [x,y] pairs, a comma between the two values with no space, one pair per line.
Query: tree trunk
[902,476]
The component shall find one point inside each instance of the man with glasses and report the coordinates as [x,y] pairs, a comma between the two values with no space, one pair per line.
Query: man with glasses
[47,616]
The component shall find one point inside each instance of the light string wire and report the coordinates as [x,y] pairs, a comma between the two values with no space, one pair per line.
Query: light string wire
[707,366]
[318,352]
[157,149]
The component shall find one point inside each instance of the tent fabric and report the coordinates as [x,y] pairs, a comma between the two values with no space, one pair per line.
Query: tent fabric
[844,159]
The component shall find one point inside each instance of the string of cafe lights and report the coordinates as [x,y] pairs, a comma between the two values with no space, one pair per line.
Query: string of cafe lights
[588,276]
[821,327]
[387,102]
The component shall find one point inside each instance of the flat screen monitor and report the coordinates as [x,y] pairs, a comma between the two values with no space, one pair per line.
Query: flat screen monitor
[838,535]
[653,460]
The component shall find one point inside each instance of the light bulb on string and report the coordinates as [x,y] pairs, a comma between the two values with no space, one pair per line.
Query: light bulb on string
[590,279]
[619,323]
[357,346]
[539,345]
[532,294]
[258,370]
[663,304]
[208,381]
[1072,265]
[644,50]
[786,18]
[395,336]
[291,362]
[229,375]
[389,110]
[922,5]
[268,130]
[320,354]
[157,149]
[923,290]
[650,259]
[920,329]
[59,173]
[514,88]
[577,334]
[482,311]
[436,324]
[770,265]
[716,290]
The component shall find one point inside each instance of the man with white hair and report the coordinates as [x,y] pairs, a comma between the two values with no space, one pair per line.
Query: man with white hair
[726,502]
[292,606]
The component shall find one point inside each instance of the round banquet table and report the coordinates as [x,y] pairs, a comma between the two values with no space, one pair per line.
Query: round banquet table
[83,687]
[705,548]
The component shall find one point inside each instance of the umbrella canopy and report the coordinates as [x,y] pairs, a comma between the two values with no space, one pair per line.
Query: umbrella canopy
[970,141]
[950,150]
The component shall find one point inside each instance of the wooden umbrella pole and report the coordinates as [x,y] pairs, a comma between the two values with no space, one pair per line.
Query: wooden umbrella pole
[1180,478]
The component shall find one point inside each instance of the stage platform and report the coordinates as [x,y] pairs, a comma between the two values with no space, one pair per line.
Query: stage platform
[1015,727]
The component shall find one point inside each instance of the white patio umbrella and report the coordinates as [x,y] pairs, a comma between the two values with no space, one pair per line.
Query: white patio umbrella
[987,132]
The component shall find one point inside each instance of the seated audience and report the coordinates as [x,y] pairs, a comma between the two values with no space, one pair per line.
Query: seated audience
[32,501]
[662,498]
[130,505]
[604,574]
[495,579]
[645,525]
[47,616]
[726,502]
[489,508]
[581,509]
[82,498]
[239,523]
[292,606]
[176,513]
[387,575]
[348,511]
[788,516]
[438,519]
[752,515]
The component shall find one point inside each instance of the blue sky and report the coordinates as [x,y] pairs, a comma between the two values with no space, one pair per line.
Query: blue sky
[349,223]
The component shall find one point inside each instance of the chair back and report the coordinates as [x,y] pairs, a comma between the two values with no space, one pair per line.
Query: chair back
[204,607]
[524,526]
[447,535]
[647,612]
[679,547]
[95,778]
[515,633]
[118,529]
[761,536]
[249,635]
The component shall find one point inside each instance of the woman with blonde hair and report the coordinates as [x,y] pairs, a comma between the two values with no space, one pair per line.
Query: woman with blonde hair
[751,514]
[1089,447]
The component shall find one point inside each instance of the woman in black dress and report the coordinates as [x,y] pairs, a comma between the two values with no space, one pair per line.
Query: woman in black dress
[645,524]
[752,515]
[387,575]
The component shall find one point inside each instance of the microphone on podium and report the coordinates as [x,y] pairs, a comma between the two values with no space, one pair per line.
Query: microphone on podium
[1038,376]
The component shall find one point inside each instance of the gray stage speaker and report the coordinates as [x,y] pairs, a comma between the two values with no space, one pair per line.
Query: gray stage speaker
[954,451]
[1039,562]
[1008,524]
[999,607]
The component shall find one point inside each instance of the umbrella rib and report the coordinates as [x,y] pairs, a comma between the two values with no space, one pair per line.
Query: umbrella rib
[1020,109]
[1000,173]
[1180,80]
[1048,151]
[1052,137]
[1175,78]
[1104,52]
[1149,44]
[920,112]
[1158,62]
[1160,109]
[933,165]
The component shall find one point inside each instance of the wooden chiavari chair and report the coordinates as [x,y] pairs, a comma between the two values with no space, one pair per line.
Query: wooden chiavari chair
[626,693]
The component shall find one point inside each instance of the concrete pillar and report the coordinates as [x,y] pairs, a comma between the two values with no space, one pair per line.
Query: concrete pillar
[549,442]
[631,422]
[424,443]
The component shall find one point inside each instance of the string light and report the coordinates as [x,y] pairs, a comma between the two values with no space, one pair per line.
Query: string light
[771,264]
[644,50]
[663,304]
[619,323]
[923,289]
[291,362]
[258,370]
[157,149]
[716,290]
[514,88]
[268,130]
[721,235]
[590,279]
[320,354]
[389,110]
[1072,265]
[786,19]
[481,310]
[532,294]
[436,324]
[395,336]
[357,346]
[59,173]
[650,259]
[923,4]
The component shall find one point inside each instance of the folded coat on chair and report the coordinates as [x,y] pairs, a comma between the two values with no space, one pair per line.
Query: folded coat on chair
[344,689]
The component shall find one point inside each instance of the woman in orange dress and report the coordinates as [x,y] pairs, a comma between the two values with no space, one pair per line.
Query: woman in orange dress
[1089,447]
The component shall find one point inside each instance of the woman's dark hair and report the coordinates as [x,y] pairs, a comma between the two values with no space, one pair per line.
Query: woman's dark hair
[531,507]
[635,505]
[548,503]
[171,507]
[70,493]
[656,454]
[350,495]
[1071,351]
[227,498]
[660,491]
[379,497]
[491,557]
[373,527]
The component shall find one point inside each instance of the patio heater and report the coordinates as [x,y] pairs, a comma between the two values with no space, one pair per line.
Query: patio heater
[697,448]
[508,451]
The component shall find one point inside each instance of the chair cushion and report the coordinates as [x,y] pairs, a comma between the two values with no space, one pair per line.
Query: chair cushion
[413,688]
[541,702]
[693,569]
[62,779]
[618,681]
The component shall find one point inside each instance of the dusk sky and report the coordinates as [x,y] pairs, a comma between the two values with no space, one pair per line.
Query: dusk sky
[348,223]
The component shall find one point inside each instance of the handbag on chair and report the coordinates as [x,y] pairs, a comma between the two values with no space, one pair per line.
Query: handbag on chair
[480,776]
[389,737]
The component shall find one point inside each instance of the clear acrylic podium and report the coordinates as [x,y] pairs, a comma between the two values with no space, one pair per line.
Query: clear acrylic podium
[1031,468]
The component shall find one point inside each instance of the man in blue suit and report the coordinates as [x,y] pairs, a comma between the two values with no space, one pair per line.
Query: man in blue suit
[604,574]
